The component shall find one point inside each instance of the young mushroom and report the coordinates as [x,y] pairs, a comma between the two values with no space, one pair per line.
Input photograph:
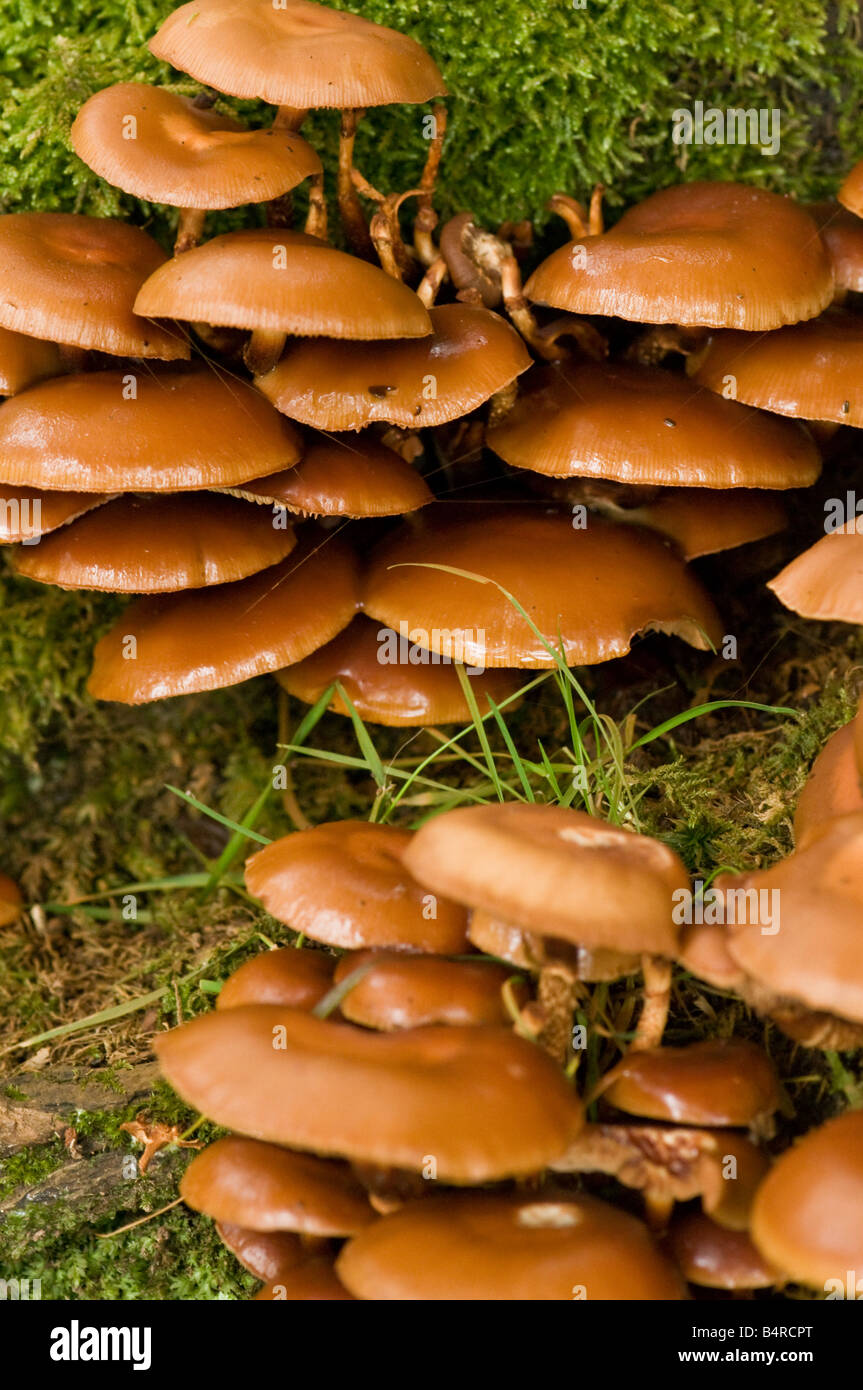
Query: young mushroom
[11,901]
[826,581]
[411,991]
[713,1257]
[294,976]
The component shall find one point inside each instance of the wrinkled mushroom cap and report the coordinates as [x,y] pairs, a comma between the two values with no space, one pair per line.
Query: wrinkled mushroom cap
[267,1188]
[205,639]
[182,428]
[25,360]
[182,154]
[73,279]
[527,1247]
[398,693]
[711,1083]
[834,786]
[555,871]
[826,581]
[481,1102]
[407,991]
[808,370]
[286,282]
[808,1216]
[471,354]
[343,475]
[718,255]
[345,884]
[579,586]
[26,512]
[644,425]
[715,1258]
[161,544]
[296,977]
[295,54]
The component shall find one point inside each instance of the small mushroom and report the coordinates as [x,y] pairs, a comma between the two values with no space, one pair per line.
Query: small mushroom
[293,976]
[11,901]
[730,1083]
[266,1254]
[842,234]
[713,1257]
[25,360]
[411,991]
[313,1279]
[826,581]
[834,786]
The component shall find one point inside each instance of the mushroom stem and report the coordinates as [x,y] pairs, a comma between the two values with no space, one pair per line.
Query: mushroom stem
[190,227]
[424,224]
[289,118]
[658,1209]
[263,350]
[316,218]
[502,402]
[545,342]
[657,998]
[654,344]
[386,232]
[596,223]
[557,995]
[431,282]
[426,218]
[571,211]
[350,210]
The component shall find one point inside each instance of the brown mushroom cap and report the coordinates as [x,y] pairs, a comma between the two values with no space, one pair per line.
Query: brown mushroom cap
[25,512]
[11,901]
[579,587]
[842,234]
[644,425]
[345,884]
[73,279]
[808,1216]
[287,282]
[477,1246]
[481,1102]
[160,544]
[703,522]
[184,428]
[715,1258]
[266,1254]
[711,1083]
[312,1279]
[703,950]
[407,991]
[834,786]
[808,370]
[267,1188]
[205,639]
[343,475]
[826,581]
[530,951]
[554,870]
[296,54]
[25,360]
[471,354]
[850,193]
[814,957]
[396,693]
[718,255]
[293,976]
[182,154]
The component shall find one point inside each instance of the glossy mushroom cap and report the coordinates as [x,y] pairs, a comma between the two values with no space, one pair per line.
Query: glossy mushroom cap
[400,693]
[527,1247]
[182,154]
[266,1254]
[842,234]
[345,884]
[850,194]
[293,976]
[549,567]
[471,354]
[704,522]
[11,901]
[810,370]
[26,512]
[183,428]
[795,927]
[312,1280]
[554,870]
[287,282]
[295,54]
[343,475]
[205,639]
[73,279]
[716,255]
[267,1188]
[161,544]
[808,1216]
[826,581]
[483,1103]
[713,1257]
[710,1083]
[834,786]
[407,991]
[643,425]
[25,360]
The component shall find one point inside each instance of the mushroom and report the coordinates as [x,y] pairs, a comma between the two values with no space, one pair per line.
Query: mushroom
[842,234]
[343,475]
[178,428]
[313,1279]
[730,1083]
[205,639]
[275,282]
[826,581]
[850,193]
[294,976]
[26,513]
[73,279]
[475,1246]
[834,786]
[25,360]
[158,544]
[410,991]
[808,1216]
[538,558]
[713,1257]
[471,355]
[718,255]
[266,1254]
[345,884]
[467,1105]
[11,902]
[420,689]
[184,154]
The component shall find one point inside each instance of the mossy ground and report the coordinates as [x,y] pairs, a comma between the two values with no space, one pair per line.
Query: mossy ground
[546,96]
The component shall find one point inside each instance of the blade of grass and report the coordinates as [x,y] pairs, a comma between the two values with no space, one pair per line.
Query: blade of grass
[216,816]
